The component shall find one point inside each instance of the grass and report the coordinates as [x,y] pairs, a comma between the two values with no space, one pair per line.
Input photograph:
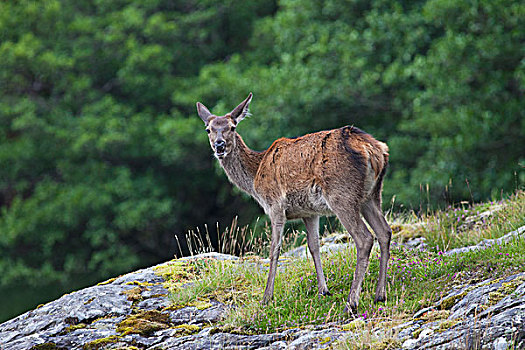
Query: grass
[248,240]
[465,224]
[416,278]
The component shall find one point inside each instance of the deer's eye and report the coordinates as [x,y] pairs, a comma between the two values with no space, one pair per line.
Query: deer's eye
[208,131]
[232,128]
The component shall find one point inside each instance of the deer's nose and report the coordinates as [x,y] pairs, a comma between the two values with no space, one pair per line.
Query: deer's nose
[220,145]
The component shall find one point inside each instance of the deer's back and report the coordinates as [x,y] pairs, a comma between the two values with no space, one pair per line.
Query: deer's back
[300,172]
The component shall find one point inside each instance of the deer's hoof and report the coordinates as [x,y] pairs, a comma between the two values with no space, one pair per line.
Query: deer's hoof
[265,300]
[350,308]
[379,299]
[325,293]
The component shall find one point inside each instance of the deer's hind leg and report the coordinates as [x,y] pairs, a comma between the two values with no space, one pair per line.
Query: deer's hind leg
[371,211]
[347,212]
[312,235]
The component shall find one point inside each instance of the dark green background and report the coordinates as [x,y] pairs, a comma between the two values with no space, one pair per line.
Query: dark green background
[103,159]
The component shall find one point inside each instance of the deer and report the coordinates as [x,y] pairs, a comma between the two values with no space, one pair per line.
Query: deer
[333,172]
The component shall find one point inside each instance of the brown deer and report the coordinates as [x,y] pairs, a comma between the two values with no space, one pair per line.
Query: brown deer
[329,172]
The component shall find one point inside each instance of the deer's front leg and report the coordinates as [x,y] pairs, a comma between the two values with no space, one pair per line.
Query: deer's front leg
[278,220]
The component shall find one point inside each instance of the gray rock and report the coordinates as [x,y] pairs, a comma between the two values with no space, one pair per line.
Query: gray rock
[320,339]
[47,322]
[489,242]
[211,255]
[479,324]
[219,341]
[299,252]
[500,344]
[484,315]
[335,247]
[192,315]
[154,303]
[409,343]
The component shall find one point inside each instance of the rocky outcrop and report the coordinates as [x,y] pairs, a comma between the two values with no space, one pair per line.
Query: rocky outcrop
[133,311]
[490,315]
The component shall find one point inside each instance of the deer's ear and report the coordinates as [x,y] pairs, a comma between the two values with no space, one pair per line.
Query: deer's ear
[241,111]
[203,112]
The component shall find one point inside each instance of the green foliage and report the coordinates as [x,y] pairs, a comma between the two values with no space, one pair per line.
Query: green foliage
[103,159]
[467,120]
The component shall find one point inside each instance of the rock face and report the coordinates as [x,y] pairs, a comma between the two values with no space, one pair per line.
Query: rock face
[98,318]
[133,311]
[480,316]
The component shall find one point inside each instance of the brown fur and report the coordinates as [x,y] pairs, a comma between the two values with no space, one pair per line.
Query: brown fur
[329,172]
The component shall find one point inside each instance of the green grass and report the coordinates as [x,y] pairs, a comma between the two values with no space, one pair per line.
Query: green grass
[416,279]
[465,224]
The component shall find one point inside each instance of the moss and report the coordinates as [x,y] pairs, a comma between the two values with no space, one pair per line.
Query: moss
[174,270]
[176,273]
[357,323]
[186,329]
[89,301]
[416,333]
[451,301]
[143,323]
[494,297]
[100,343]
[506,289]
[201,304]
[434,315]
[141,284]
[73,328]
[134,294]
[111,280]
[325,340]
[494,281]
[447,324]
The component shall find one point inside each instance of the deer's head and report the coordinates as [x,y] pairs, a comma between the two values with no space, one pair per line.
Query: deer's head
[221,129]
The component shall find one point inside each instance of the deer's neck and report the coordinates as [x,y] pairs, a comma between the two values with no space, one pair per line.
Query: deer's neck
[241,165]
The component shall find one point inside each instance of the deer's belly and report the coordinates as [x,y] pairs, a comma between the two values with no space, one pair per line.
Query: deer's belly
[306,203]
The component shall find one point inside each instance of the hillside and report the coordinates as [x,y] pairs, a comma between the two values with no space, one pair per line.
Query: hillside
[456,280]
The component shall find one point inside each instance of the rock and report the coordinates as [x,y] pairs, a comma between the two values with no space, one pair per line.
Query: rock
[211,255]
[425,333]
[479,315]
[316,339]
[134,310]
[489,242]
[500,344]
[335,247]
[409,343]
[299,252]
[416,243]
[192,315]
